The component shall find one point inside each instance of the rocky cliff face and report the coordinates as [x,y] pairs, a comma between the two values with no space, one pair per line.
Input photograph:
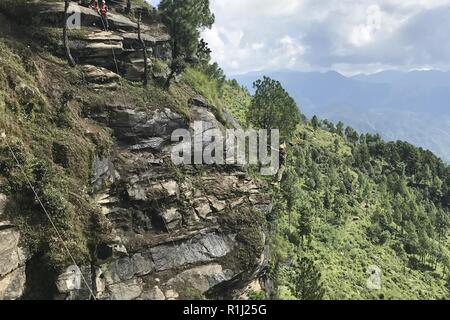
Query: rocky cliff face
[12,258]
[172,231]
[176,232]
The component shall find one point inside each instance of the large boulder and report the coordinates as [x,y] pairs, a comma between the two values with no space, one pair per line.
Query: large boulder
[93,50]
[127,290]
[75,283]
[126,268]
[69,280]
[141,129]
[154,293]
[11,255]
[131,40]
[135,68]
[3,222]
[121,279]
[200,248]
[170,218]
[100,78]
[201,278]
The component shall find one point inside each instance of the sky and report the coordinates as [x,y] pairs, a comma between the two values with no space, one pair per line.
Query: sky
[153,2]
[348,36]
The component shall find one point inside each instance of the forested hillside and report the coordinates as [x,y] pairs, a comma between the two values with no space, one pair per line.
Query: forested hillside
[350,207]
[353,204]
[350,204]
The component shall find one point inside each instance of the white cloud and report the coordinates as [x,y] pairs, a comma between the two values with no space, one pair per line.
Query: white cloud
[259,8]
[361,35]
[291,49]
[365,33]
[252,35]
[236,54]
[257,46]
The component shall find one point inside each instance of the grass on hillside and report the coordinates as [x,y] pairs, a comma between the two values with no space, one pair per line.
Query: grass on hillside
[220,96]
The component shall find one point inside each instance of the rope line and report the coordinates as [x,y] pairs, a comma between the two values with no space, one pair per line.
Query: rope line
[3,136]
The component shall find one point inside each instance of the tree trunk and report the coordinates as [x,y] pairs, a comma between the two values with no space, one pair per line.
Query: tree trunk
[65,36]
[144,52]
[128,8]
[170,77]
[289,217]
[174,49]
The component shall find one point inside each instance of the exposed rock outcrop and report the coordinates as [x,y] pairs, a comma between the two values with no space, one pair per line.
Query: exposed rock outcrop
[180,231]
[140,129]
[12,258]
[117,49]
[201,248]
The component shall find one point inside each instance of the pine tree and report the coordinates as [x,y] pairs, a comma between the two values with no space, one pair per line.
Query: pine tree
[305,220]
[411,240]
[315,122]
[340,128]
[128,7]
[305,281]
[144,54]
[185,19]
[442,224]
[327,200]
[352,135]
[291,191]
[273,108]
[340,208]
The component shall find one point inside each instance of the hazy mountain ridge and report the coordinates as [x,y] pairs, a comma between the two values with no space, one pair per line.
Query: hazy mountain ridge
[411,106]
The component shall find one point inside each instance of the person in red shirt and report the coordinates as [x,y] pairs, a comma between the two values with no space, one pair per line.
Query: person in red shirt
[103,13]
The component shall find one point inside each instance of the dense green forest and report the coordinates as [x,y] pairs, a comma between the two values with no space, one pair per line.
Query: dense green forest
[350,202]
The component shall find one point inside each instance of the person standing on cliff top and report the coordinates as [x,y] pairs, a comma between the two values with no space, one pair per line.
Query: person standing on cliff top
[103,13]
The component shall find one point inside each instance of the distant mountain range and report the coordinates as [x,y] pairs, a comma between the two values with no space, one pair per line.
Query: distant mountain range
[412,106]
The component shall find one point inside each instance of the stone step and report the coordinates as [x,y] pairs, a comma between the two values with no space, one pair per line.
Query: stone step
[84,49]
[104,36]
[99,75]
